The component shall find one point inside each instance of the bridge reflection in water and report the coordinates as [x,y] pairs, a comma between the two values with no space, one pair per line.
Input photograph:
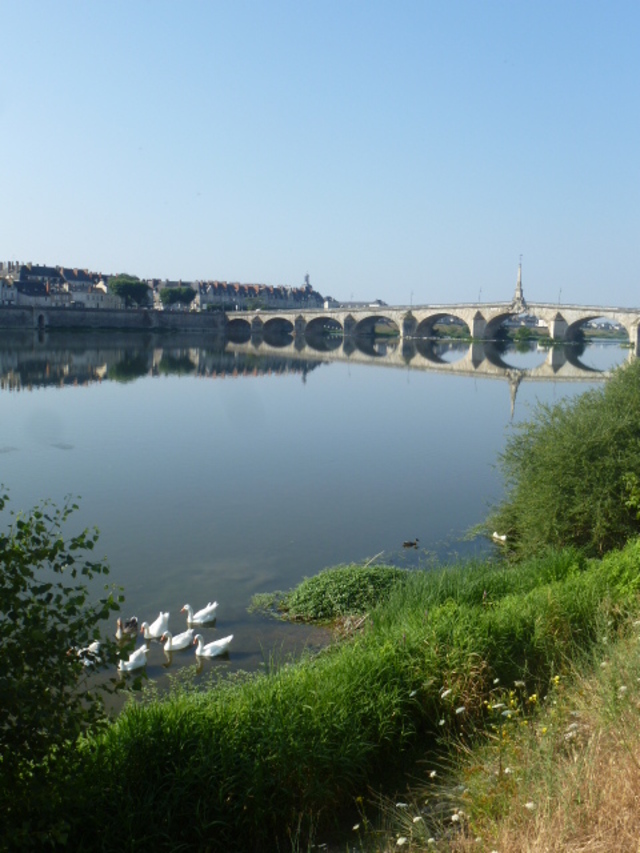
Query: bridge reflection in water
[482,359]
[61,359]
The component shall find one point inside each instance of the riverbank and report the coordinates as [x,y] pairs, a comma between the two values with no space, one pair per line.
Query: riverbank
[282,755]
[48,318]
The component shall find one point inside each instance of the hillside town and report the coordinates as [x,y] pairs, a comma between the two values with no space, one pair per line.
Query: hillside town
[27,284]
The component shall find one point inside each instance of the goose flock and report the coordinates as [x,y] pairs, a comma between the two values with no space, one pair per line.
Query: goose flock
[159,630]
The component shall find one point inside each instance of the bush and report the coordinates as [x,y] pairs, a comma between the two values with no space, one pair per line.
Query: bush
[572,472]
[46,703]
[341,591]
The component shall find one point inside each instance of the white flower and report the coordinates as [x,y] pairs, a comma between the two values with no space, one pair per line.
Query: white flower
[461,709]
[446,693]
[402,805]
[622,689]
[431,841]
[402,841]
[413,693]
[355,827]
[519,683]
[508,714]
[417,819]
[455,818]
[497,706]
[507,771]
[496,681]
[441,722]
[531,806]
[432,775]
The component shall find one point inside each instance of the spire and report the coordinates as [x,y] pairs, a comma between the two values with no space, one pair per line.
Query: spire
[519,303]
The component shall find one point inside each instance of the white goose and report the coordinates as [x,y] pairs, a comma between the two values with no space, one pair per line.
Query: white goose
[157,627]
[180,641]
[137,660]
[217,647]
[200,617]
[90,654]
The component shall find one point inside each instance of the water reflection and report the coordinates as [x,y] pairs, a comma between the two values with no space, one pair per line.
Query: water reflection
[37,361]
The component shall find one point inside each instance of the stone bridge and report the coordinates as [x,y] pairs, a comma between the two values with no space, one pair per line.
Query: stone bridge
[482,319]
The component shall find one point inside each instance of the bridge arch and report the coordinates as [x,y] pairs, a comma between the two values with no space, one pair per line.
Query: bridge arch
[322,325]
[278,325]
[574,329]
[368,325]
[238,330]
[494,325]
[426,328]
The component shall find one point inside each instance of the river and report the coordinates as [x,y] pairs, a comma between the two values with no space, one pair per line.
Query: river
[217,470]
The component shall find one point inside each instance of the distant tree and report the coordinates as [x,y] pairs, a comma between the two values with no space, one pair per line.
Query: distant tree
[46,702]
[130,288]
[173,295]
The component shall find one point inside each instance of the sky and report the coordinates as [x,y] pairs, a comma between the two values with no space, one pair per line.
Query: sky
[404,150]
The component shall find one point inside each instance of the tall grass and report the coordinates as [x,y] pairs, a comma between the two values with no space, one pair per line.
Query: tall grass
[253,762]
[568,779]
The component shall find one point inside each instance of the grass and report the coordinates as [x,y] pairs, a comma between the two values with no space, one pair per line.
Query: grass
[560,773]
[258,763]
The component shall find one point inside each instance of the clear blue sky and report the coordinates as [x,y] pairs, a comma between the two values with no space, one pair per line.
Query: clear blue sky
[402,150]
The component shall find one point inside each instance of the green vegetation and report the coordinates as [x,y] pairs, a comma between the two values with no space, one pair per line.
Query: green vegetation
[258,760]
[453,331]
[46,704]
[130,288]
[545,771]
[334,593]
[177,295]
[572,472]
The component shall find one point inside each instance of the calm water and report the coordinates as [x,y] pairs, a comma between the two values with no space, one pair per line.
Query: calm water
[217,471]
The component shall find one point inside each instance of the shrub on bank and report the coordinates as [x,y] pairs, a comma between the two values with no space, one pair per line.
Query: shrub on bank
[341,591]
[573,472]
